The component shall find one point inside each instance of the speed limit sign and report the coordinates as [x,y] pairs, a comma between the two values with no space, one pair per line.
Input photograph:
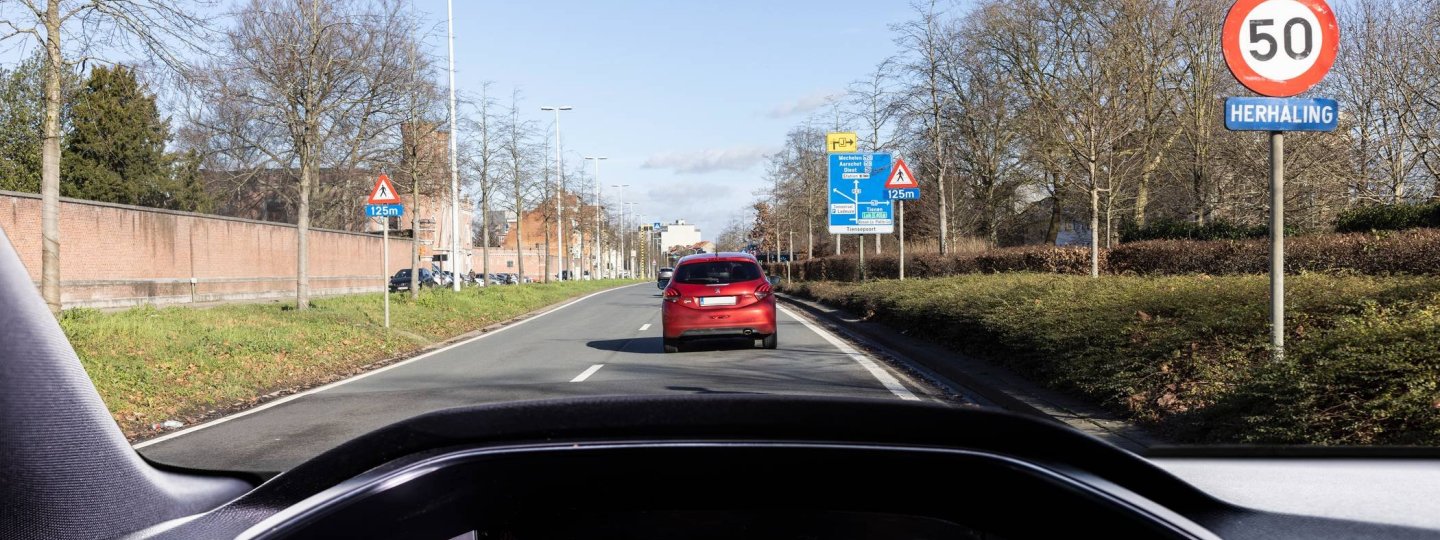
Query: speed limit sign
[1280,48]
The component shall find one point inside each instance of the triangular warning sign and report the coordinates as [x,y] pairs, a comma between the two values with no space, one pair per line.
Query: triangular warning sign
[901,177]
[384,192]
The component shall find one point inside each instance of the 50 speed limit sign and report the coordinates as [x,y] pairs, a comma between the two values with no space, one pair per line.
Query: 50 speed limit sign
[1280,48]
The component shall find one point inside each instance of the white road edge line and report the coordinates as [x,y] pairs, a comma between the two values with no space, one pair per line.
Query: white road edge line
[888,380]
[587,373]
[644,327]
[319,389]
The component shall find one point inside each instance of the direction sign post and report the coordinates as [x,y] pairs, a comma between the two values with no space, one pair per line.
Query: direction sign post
[1280,49]
[858,204]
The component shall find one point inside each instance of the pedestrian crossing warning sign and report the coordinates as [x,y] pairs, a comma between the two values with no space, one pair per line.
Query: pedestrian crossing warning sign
[384,191]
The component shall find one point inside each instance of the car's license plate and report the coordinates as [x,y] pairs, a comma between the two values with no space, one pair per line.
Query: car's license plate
[717,300]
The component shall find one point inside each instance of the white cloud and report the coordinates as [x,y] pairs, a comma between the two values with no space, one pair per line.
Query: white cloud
[705,161]
[805,104]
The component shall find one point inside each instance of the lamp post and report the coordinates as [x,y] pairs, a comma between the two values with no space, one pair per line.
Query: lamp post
[560,190]
[630,258]
[596,269]
[619,259]
[454,167]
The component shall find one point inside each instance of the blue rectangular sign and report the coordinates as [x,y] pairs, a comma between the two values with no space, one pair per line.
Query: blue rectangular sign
[905,194]
[384,210]
[1281,114]
[858,202]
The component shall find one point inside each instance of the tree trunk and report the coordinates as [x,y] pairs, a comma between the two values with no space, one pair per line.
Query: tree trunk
[414,234]
[810,237]
[1094,220]
[485,236]
[940,186]
[50,162]
[1052,232]
[1142,198]
[519,233]
[302,231]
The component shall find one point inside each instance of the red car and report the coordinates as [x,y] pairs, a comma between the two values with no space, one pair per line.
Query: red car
[718,295]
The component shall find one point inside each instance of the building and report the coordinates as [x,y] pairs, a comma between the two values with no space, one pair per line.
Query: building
[679,233]
[536,240]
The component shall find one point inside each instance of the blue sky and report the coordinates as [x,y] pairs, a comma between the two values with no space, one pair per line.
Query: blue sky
[683,97]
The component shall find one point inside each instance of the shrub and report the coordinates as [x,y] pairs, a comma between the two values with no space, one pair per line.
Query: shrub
[1388,218]
[1406,252]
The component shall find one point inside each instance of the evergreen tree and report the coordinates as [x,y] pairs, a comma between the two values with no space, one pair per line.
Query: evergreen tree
[186,188]
[115,147]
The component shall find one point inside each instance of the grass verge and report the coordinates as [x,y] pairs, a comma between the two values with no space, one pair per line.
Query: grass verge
[156,364]
[1188,356]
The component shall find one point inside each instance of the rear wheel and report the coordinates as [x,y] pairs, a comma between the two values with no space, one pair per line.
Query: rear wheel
[771,341]
[672,345]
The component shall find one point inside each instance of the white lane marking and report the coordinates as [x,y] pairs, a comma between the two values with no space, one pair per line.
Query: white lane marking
[293,397]
[587,373]
[889,381]
[644,327]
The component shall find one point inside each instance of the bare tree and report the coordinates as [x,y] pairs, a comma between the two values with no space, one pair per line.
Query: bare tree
[160,28]
[481,161]
[516,148]
[304,84]
[923,37]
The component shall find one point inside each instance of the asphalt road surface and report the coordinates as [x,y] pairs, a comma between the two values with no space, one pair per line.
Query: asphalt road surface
[604,344]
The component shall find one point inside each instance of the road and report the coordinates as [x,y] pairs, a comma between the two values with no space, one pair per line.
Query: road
[604,344]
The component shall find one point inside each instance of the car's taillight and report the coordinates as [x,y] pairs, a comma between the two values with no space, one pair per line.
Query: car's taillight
[672,295]
[763,290]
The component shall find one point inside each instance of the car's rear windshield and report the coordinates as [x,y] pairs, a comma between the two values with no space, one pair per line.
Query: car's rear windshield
[710,272]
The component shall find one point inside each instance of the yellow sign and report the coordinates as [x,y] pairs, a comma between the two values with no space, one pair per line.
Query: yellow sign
[841,142]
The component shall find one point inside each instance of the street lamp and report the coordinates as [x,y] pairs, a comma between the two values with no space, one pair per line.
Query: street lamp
[629,258]
[560,189]
[621,187]
[454,167]
[595,270]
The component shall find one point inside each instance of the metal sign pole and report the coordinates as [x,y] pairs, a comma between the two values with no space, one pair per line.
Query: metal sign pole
[385,264]
[1277,244]
[862,256]
[902,240]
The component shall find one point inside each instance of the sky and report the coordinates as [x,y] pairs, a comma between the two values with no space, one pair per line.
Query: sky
[684,97]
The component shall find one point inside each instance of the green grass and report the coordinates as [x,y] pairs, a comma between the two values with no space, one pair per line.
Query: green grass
[1188,355]
[156,364]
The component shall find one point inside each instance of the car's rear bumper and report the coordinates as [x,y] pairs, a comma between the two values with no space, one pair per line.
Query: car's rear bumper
[685,322]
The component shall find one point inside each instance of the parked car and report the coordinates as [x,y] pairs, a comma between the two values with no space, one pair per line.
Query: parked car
[718,295]
[401,280]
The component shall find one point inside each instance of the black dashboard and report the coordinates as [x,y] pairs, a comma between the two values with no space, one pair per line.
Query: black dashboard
[737,467]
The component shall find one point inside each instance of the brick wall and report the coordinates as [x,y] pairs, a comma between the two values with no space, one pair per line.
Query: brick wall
[115,255]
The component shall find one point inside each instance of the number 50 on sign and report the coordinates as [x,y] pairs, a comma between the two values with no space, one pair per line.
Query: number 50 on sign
[1280,48]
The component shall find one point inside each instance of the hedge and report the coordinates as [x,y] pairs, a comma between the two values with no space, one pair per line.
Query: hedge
[1388,218]
[1412,252]
[1188,357]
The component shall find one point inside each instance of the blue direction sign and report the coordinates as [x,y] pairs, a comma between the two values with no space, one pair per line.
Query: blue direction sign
[384,210]
[858,201]
[1281,114]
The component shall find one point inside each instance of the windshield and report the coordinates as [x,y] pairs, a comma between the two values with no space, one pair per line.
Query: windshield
[1196,238]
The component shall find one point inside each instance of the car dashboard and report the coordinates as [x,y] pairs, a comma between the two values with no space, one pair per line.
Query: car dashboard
[739,467]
